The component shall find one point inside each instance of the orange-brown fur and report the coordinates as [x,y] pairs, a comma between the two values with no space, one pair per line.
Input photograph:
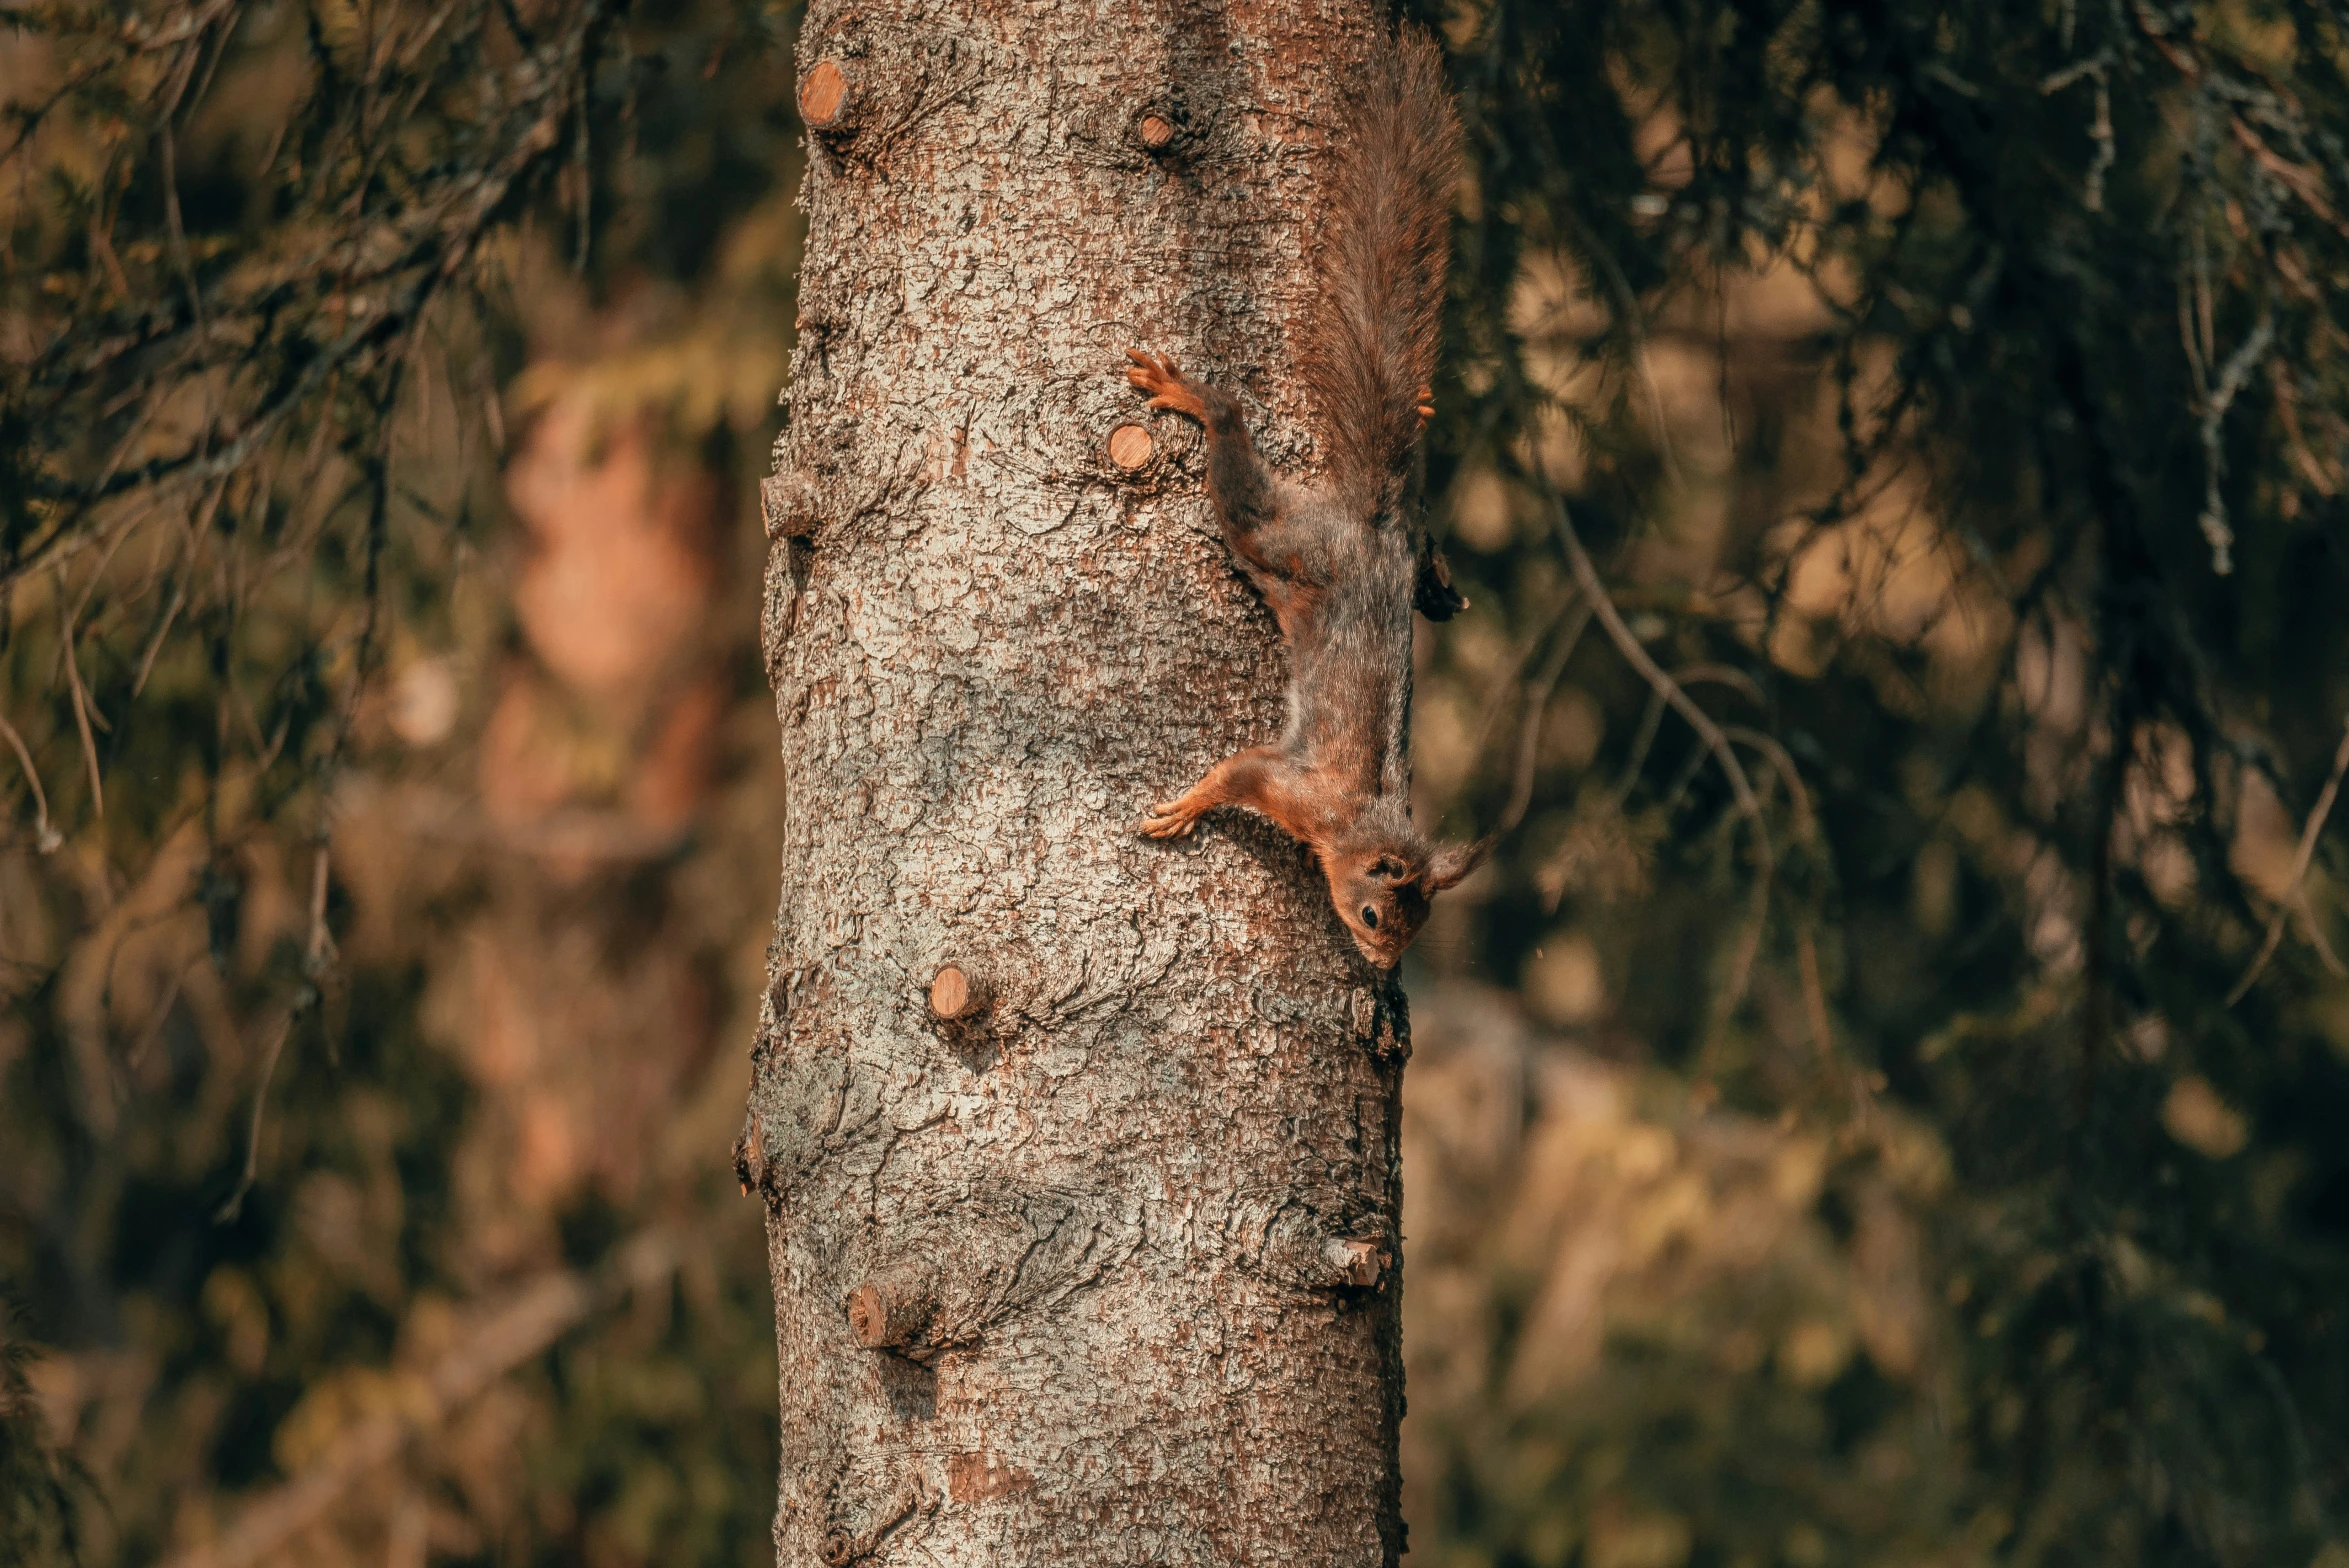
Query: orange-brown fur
[1341,565]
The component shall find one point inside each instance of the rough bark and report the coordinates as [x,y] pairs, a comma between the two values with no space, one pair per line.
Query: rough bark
[1087,1255]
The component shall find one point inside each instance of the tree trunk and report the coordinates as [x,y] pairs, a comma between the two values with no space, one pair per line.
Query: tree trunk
[1086,1251]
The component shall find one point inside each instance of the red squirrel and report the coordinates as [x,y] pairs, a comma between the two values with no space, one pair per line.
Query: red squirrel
[1343,565]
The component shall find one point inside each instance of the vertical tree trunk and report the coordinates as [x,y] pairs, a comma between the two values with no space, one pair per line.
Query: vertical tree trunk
[1083,1253]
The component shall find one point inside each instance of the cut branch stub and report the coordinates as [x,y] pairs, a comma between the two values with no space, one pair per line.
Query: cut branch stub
[891,1312]
[787,502]
[823,98]
[1356,1263]
[750,1156]
[1130,447]
[957,996]
[1155,131]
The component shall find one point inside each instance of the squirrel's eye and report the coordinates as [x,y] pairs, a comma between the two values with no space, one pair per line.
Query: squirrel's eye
[1370,917]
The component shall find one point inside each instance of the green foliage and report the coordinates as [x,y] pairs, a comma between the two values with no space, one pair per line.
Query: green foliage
[275,284]
[1956,394]
[39,1488]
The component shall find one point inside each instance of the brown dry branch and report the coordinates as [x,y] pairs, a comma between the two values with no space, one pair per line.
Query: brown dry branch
[523,1326]
[1806,820]
[234,1203]
[1806,936]
[1498,692]
[1529,735]
[45,838]
[317,967]
[583,834]
[1586,575]
[1713,741]
[2290,896]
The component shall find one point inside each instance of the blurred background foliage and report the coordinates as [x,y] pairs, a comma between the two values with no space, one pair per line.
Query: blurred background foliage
[1881,1106]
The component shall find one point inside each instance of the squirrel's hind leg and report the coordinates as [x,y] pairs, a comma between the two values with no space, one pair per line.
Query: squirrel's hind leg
[1247,499]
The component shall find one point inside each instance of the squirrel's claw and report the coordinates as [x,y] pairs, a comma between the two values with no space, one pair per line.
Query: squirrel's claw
[1168,820]
[1153,370]
[1147,373]
[1159,376]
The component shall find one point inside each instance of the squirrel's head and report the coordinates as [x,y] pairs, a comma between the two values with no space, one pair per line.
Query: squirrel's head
[1383,887]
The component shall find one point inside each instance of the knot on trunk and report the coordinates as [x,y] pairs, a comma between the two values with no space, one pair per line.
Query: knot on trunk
[1321,1240]
[872,83]
[750,1156]
[788,504]
[895,1311]
[844,1545]
[1353,1263]
[952,1274]
[1381,1021]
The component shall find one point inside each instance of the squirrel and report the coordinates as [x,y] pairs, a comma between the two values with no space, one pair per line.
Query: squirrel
[1342,566]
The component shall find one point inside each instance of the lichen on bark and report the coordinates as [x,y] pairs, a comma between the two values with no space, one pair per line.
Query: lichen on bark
[1102,1269]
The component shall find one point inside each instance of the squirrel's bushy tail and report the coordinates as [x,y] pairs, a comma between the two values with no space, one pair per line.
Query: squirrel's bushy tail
[1389,232]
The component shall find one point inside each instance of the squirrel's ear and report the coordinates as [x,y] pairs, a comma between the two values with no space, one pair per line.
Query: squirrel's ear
[1448,866]
[1432,593]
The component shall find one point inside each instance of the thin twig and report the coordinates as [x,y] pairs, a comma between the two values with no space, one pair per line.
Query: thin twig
[2300,863]
[1783,765]
[81,706]
[1749,951]
[1497,693]
[171,609]
[156,1020]
[317,961]
[1715,744]
[1806,954]
[1721,675]
[1663,685]
[2316,936]
[1806,946]
[45,838]
[1529,735]
[1652,721]
[235,1202]
[1643,740]
[318,954]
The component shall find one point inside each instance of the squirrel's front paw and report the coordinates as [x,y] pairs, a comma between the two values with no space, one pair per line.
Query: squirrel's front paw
[1166,385]
[1169,819]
